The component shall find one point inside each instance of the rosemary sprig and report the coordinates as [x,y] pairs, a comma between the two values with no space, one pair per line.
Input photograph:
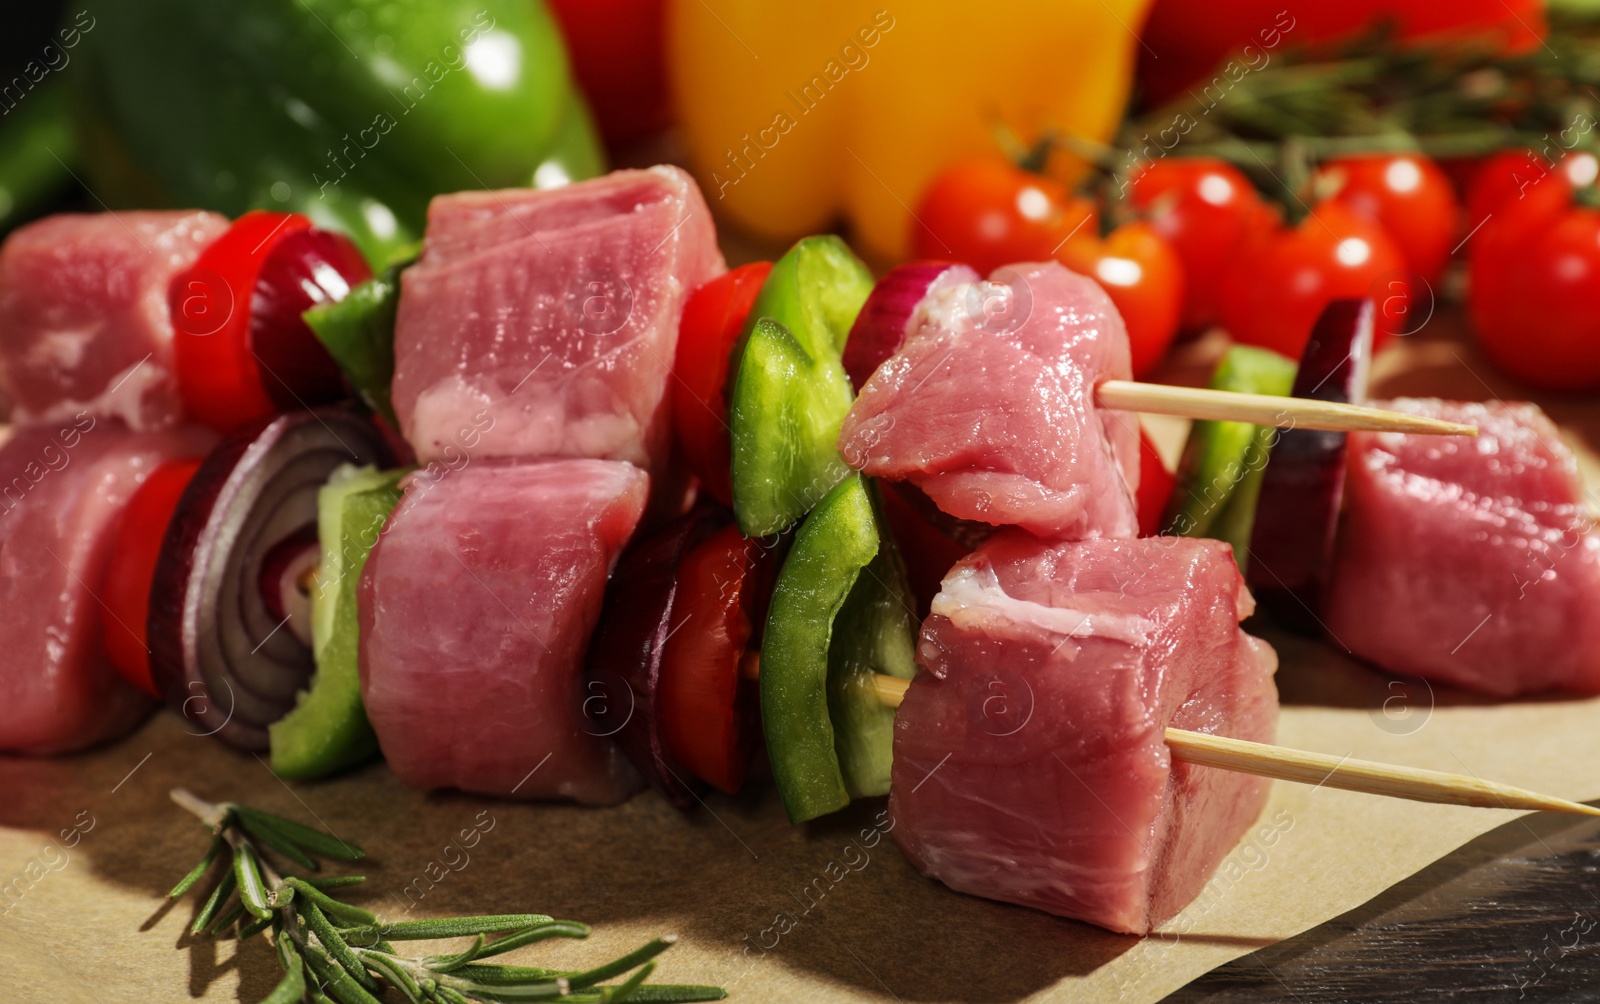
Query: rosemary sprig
[333,951]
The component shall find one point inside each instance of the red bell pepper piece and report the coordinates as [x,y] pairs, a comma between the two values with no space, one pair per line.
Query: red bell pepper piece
[713,317]
[705,705]
[136,549]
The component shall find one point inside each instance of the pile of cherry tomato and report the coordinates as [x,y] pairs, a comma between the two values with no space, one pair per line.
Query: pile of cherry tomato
[1199,246]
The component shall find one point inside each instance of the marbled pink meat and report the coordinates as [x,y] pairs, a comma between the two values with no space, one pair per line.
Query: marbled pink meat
[554,314]
[63,486]
[989,407]
[1470,561]
[83,314]
[476,609]
[1029,761]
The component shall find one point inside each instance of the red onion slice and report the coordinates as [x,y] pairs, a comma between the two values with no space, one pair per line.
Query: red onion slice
[219,652]
[286,581]
[1302,487]
[304,269]
[880,328]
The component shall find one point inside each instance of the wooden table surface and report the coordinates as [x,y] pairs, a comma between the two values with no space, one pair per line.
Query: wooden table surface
[90,923]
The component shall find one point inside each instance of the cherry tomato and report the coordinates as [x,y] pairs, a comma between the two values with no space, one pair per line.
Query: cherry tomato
[1533,286]
[705,704]
[242,350]
[1205,209]
[1156,485]
[1406,194]
[988,212]
[1527,184]
[1281,281]
[1142,274]
[135,551]
[712,319]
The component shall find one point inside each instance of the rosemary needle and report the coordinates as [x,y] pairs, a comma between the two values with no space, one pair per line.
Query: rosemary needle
[634,958]
[517,939]
[213,904]
[293,986]
[333,952]
[336,946]
[198,871]
[252,885]
[458,927]
[345,913]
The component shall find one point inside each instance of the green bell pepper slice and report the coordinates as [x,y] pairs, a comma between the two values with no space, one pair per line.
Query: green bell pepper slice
[358,333]
[815,290]
[354,112]
[784,414]
[874,633]
[1219,475]
[835,543]
[327,730]
[841,614]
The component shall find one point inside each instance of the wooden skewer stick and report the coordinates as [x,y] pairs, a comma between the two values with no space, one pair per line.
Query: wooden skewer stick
[1414,783]
[1265,409]
[891,689]
[1321,769]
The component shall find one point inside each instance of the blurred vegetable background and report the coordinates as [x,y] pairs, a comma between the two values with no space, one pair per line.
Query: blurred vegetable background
[794,114]
[1236,165]
[352,112]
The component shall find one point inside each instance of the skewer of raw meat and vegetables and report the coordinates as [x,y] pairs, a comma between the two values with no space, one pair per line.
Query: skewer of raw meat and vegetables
[531,360]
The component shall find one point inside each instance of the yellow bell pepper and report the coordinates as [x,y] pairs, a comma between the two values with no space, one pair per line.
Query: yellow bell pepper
[794,113]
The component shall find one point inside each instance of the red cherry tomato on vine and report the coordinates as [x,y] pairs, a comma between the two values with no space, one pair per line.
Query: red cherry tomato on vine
[1524,184]
[1281,281]
[1533,286]
[126,587]
[1205,209]
[712,319]
[705,703]
[1406,194]
[988,212]
[1144,278]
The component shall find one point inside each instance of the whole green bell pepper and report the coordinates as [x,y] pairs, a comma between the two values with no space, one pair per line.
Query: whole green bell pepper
[354,112]
[36,143]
